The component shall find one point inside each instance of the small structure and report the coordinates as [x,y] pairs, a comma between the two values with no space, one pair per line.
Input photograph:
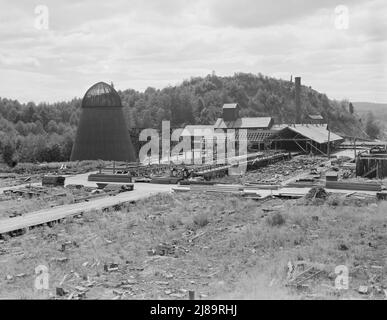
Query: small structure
[307,138]
[256,129]
[331,176]
[231,120]
[230,111]
[315,119]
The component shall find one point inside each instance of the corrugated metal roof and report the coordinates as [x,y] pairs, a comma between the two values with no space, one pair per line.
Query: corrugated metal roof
[281,126]
[317,133]
[244,123]
[198,130]
[258,122]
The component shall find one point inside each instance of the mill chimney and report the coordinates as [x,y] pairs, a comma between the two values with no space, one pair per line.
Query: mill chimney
[297,81]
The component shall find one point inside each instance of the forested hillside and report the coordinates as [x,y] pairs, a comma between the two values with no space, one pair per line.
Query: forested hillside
[45,132]
[199,100]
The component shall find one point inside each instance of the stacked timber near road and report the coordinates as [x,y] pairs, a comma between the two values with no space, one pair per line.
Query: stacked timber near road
[363,186]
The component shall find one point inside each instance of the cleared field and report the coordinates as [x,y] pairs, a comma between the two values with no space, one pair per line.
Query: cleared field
[220,246]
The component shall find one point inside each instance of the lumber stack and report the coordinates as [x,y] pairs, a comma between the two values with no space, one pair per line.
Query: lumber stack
[165,180]
[261,186]
[363,186]
[101,177]
[196,182]
[217,188]
[302,184]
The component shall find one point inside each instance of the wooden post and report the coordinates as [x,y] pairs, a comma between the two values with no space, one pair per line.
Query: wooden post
[191,295]
[193,150]
[354,146]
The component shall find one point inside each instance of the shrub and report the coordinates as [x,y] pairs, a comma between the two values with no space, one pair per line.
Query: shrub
[174,221]
[276,219]
[335,200]
[200,220]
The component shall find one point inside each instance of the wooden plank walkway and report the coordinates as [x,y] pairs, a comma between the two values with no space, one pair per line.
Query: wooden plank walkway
[53,214]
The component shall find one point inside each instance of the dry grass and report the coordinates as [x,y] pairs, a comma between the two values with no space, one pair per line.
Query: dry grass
[236,251]
[275,219]
[201,220]
[24,205]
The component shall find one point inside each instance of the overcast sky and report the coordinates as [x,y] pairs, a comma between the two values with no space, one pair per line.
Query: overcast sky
[141,43]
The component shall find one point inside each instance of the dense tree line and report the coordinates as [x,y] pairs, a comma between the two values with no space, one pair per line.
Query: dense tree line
[37,133]
[45,132]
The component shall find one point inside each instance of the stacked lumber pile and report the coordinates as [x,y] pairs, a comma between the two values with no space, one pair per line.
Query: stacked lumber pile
[235,189]
[363,186]
[101,177]
[261,186]
[165,180]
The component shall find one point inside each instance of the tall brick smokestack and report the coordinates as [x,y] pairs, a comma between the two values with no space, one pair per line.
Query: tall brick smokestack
[297,81]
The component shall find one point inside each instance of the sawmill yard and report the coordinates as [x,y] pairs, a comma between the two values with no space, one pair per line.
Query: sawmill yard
[25,173]
[225,243]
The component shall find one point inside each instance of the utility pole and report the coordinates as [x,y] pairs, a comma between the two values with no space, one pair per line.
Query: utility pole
[329,141]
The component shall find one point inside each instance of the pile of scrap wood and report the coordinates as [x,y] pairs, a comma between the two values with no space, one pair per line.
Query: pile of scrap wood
[117,188]
[166,249]
[55,181]
[105,189]
[292,193]
[278,172]
[316,193]
[28,192]
[300,272]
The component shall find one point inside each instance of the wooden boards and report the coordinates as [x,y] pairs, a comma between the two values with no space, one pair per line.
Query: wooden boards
[363,186]
[100,177]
